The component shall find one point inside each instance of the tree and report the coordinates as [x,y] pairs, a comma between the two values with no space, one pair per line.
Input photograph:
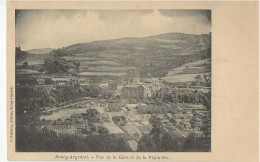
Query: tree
[198,78]
[55,66]
[43,102]
[36,106]
[205,76]
[191,142]
[92,127]
[103,130]
[48,81]
[171,141]
[107,143]
[146,144]
[31,140]
[92,115]
[172,120]
[193,126]
[194,83]
[77,65]
[157,131]
[25,64]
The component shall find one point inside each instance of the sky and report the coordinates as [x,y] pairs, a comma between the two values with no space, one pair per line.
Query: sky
[60,28]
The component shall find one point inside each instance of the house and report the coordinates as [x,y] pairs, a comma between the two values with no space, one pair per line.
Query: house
[132,91]
[136,91]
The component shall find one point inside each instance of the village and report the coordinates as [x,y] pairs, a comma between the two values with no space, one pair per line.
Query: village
[126,112]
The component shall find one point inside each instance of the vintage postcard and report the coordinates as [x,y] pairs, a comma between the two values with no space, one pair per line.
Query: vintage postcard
[152,81]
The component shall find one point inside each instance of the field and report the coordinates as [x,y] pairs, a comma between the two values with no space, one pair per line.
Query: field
[109,68]
[180,78]
[79,58]
[178,75]
[113,129]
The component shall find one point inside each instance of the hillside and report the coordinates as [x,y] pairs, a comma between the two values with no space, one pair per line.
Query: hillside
[31,59]
[151,56]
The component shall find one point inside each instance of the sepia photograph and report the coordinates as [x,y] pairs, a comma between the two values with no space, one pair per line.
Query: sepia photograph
[174,81]
[112,80]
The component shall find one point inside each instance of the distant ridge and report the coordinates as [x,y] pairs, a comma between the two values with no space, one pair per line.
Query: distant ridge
[39,51]
[130,40]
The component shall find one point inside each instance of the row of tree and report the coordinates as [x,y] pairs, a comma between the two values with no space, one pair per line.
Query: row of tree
[37,97]
[33,140]
[158,140]
[179,95]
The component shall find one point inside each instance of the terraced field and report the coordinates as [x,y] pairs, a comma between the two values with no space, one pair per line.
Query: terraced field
[177,74]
